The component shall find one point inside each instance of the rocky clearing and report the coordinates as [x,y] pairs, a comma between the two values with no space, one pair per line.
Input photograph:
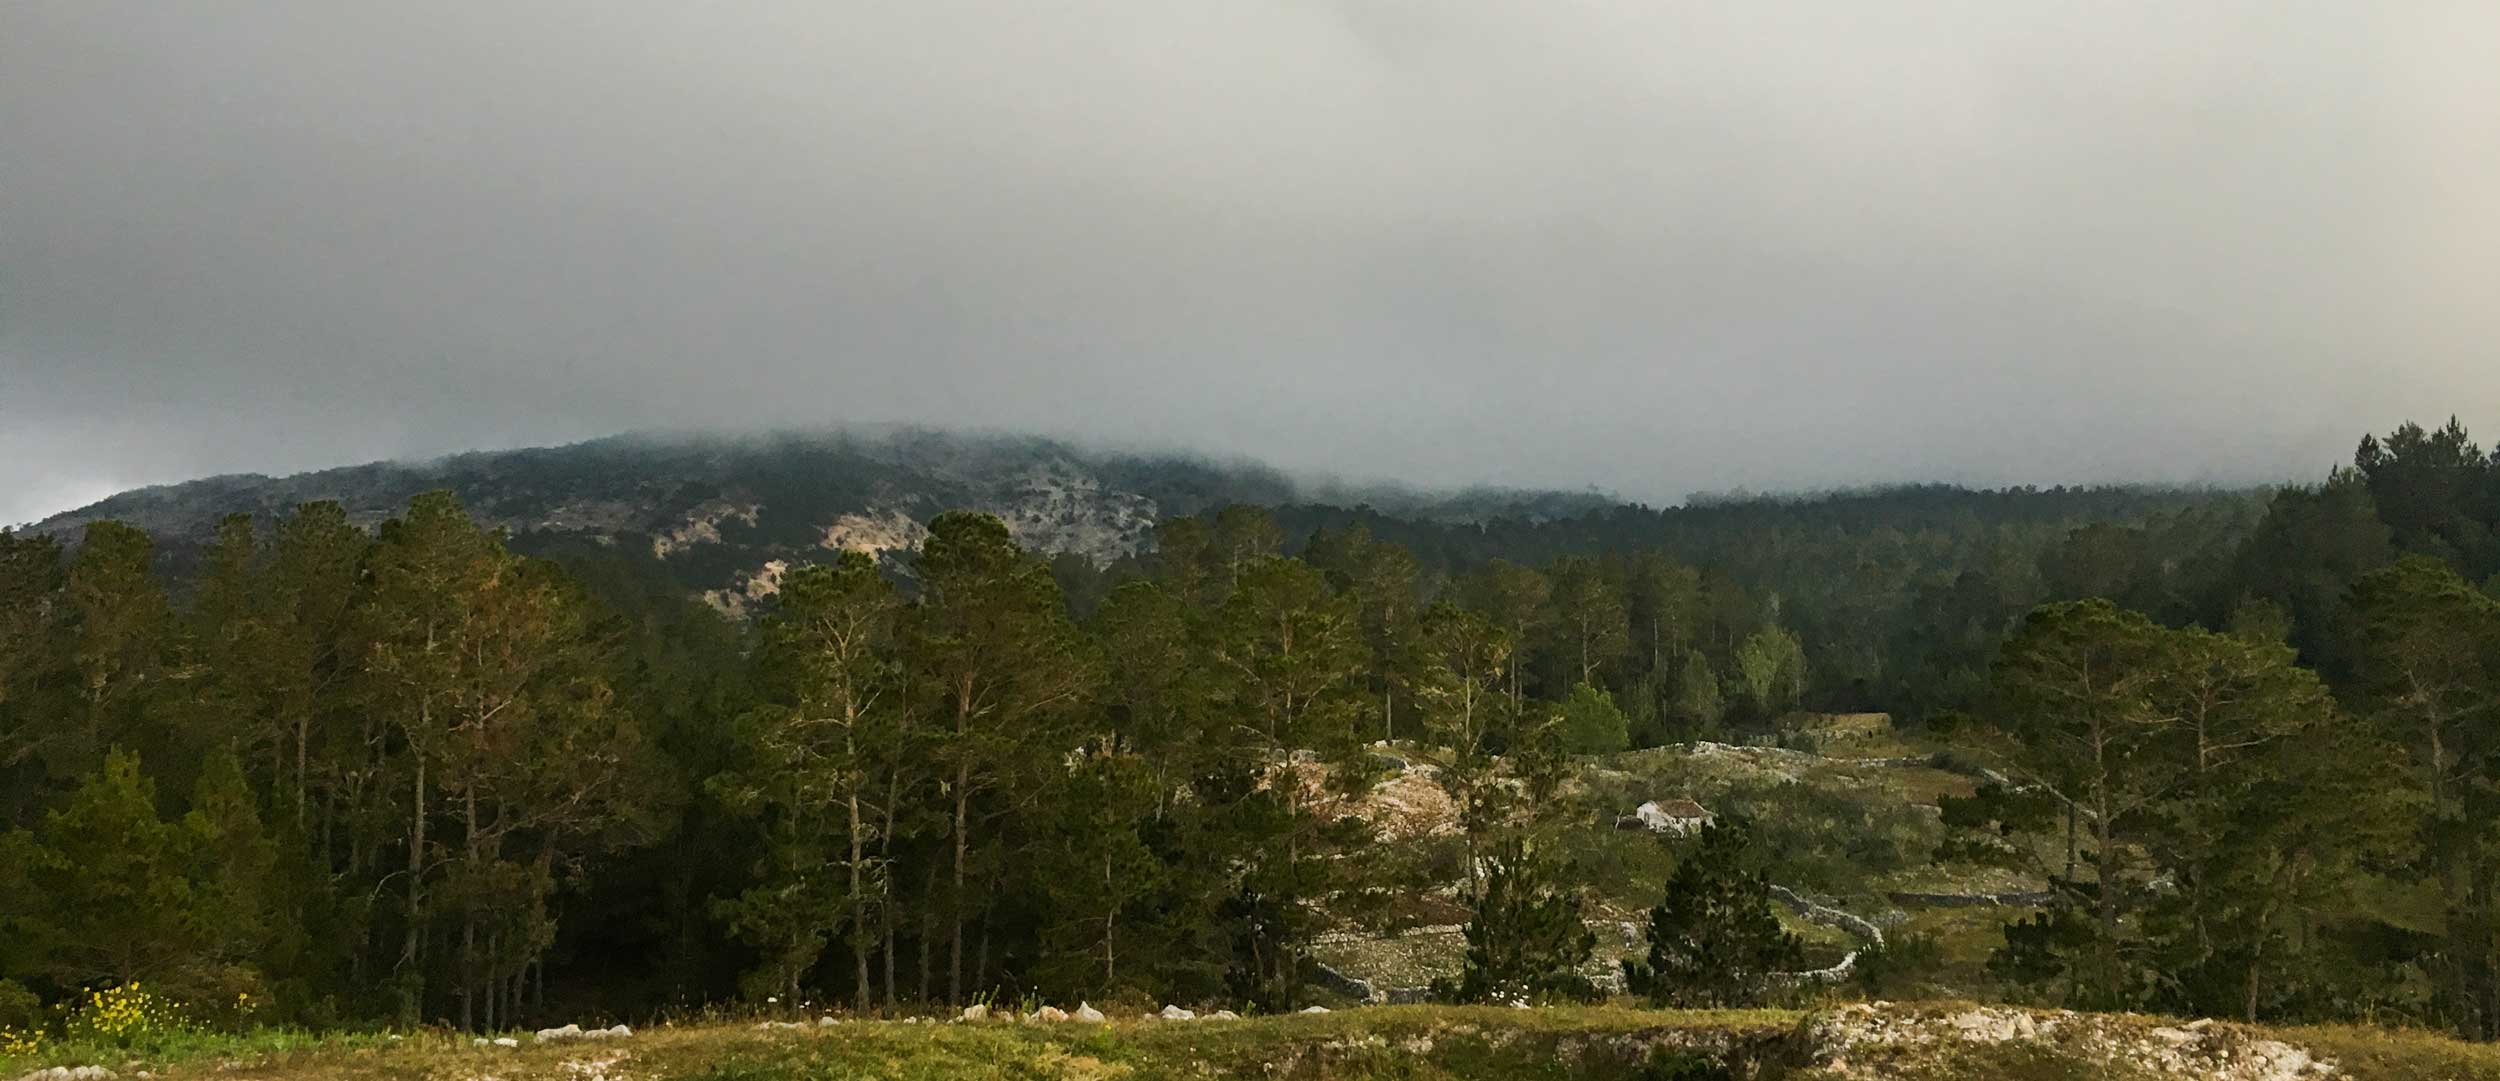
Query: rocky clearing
[1929,1042]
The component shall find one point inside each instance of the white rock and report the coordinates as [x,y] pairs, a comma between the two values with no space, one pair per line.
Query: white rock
[1315,1009]
[506,1041]
[827,1019]
[1050,1013]
[1175,1013]
[976,1012]
[1085,1011]
[478,1042]
[568,1032]
[1223,1015]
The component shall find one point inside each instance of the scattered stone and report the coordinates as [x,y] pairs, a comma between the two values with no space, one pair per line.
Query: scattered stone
[1175,1013]
[1086,1012]
[827,1019]
[1315,1009]
[976,1012]
[552,1035]
[506,1041]
[1223,1015]
[1050,1013]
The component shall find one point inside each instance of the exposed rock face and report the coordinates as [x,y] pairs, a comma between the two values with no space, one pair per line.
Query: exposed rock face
[878,534]
[739,602]
[702,526]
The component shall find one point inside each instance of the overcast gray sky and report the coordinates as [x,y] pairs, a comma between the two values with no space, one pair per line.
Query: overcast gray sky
[1651,246]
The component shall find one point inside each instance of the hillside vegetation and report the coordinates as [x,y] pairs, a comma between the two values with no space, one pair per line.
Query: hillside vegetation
[2201,756]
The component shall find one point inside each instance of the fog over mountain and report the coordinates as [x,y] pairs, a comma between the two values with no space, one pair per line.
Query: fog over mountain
[1649,247]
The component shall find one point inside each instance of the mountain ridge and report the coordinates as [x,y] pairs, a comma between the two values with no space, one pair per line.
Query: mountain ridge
[721,514]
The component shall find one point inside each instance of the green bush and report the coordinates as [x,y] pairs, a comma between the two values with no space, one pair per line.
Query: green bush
[1591,724]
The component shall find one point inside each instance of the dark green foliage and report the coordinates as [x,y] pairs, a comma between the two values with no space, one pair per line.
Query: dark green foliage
[2050,953]
[1527,941]
[1714,940]
[1590,723]
[1901,967]
[114,893]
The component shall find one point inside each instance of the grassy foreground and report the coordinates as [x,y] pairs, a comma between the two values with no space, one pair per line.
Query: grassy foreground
[1912,1043]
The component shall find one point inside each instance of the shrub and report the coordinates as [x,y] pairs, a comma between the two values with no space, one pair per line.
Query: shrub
[1901,966]
[1591,724]
[1714,941]
[128,1016]
[1528,939]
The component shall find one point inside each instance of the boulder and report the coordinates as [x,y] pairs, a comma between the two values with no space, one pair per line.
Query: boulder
[1315,1009]
[506,1041]
[978,1011]
[1085,1011]
[1050,1013]
[568,1032]
[1175,1013]
[827,1019]
[1223,1015]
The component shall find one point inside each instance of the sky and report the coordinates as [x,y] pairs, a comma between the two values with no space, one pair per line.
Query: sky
[1653,247]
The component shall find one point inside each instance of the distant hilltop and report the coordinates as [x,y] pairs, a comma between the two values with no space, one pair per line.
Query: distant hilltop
[717,512]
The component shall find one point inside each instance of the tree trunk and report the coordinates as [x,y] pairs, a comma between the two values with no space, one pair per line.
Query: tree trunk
[2070,840]
[493,983]
[981,970]
[860,938]
[2105,865]
[303,754]
[471,980]
[885,912]
[963,851]
[928,930]
[1110,926]
[409,944]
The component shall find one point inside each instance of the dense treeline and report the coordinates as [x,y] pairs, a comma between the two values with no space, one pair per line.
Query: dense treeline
[2286,811]
[411,774]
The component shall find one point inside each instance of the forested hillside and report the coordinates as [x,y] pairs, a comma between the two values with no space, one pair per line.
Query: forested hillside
[433,772]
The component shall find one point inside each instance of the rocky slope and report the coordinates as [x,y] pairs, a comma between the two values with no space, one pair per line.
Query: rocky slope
[724,516]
